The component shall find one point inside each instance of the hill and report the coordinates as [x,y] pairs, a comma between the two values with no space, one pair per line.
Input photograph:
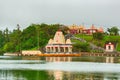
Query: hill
[89,38]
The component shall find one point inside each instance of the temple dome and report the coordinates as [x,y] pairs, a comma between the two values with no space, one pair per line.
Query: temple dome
[59,38]
[68,41]
[92,27]
[50,41]
[81,27]
[75,27]
[100,29]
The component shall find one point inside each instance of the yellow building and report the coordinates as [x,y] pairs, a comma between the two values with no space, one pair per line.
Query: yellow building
[58,44]
[31,52]
[75,29]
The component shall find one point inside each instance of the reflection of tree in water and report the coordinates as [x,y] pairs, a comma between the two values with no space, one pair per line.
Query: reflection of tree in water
[34,75]
[113,76]
[62,75]
[88,59]
[83,76]
[54,75]
[25,74]
[86,76]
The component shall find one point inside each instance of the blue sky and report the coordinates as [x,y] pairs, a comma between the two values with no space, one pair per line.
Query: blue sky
[104,13]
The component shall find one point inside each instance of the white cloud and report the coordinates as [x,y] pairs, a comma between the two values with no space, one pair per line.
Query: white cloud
[25,12]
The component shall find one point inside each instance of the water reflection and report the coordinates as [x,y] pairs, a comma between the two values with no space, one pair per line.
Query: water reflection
[55,75]
[58,59]
[59,68]
[23,75]
[61,75]
[110,60]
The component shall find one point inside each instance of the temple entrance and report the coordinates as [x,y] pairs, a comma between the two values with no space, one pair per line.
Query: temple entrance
[109,47]
[48,49]
[51,49]
[61,49]
[66,48]
[56,48]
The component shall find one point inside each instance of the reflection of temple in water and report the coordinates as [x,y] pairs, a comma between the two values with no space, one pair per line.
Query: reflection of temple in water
[110,60]
[62,75]
[57,74]
[58,59]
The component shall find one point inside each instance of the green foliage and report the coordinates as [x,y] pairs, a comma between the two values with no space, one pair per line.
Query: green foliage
[1,39]
[86,37]
[81,47]
[113,31]
[4,38]
[98,36]
[9,47]
[34,36]
[89,38]
[31,74]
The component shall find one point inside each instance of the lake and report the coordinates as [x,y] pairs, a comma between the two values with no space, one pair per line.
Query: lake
[59,68]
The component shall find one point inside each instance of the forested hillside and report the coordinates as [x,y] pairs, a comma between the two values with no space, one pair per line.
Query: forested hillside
[33,37]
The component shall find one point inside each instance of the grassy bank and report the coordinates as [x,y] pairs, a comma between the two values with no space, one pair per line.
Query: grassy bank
[100,43]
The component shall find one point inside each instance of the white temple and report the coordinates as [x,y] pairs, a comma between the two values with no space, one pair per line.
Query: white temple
[58,44]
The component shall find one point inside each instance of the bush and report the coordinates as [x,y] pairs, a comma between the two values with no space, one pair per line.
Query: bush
[81,47]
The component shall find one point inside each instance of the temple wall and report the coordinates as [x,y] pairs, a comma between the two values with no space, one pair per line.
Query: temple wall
[29,52]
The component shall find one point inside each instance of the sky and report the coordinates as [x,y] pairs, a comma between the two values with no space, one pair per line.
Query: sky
[105,13]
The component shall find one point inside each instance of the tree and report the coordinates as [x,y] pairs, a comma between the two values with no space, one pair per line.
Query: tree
[64,29]
[9,47]
[2,39]
[113,31]
[35,36]
[83,47]
[6,35]
[98,36]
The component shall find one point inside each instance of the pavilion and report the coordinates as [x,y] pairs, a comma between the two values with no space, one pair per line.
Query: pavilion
[58,44]
[80,29]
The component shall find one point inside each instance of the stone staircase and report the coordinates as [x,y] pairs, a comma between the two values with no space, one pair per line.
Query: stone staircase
[93,46]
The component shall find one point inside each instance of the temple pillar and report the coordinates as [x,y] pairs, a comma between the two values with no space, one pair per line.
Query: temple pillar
[69,49]
[54,50]
[64,50]
[58,49]
[46,49]
[50,49]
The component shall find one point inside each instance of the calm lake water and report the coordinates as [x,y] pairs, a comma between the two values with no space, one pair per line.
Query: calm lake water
[59,68]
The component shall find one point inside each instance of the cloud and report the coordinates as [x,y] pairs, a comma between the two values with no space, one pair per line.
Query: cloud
[26,12]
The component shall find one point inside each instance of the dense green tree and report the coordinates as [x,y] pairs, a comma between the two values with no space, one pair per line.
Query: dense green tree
[9,47]
[2,39]
[34,36]
[31,74]
[113,31]
[64,29]
[6,35]
[81,47]
[98,36]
